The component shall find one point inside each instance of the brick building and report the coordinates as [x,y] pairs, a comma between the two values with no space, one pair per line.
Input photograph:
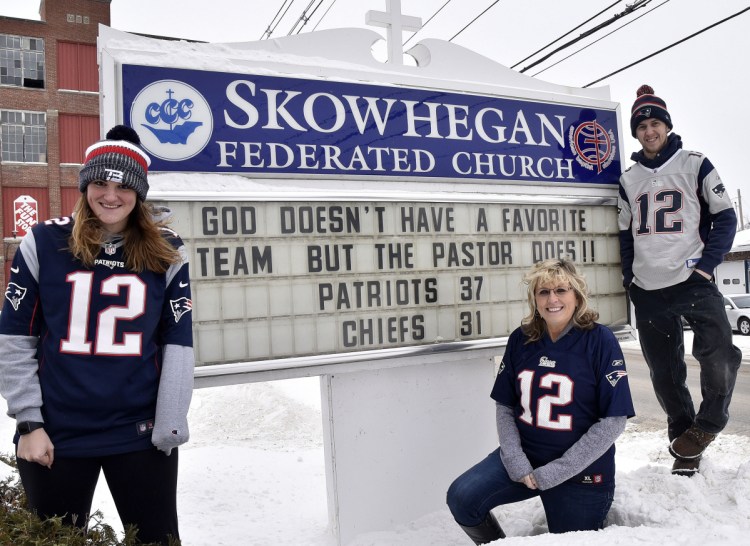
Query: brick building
[49,112]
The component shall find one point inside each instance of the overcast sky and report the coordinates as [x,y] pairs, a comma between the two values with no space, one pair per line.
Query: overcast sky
[703,80]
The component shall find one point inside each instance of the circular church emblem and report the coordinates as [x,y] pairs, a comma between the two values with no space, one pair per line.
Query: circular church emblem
[593,146]
[173,120]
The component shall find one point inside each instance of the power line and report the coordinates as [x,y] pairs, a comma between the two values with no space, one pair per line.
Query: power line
[427,22]
[564,35]
[269,30]
[474,20]
[662,50]
[304,18]
[576,52]
[630,8]
[320,3]
[300,18]
[324,15]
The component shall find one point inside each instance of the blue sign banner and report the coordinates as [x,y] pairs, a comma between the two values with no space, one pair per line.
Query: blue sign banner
[217,122]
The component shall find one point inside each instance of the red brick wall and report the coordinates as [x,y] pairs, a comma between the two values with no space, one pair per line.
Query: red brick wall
[53,28]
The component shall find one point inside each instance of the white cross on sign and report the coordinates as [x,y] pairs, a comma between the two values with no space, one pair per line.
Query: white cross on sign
[396,23]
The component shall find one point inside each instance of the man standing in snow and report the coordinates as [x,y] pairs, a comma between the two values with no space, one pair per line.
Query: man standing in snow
[676,224]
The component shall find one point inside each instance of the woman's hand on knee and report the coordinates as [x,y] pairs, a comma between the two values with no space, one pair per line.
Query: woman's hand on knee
[36,447]
[529,481]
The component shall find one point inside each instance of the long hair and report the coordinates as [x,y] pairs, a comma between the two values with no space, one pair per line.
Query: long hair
[556,272]
[144,246]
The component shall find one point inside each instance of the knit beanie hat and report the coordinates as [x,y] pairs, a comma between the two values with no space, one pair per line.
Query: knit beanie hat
[646,106]
[119,159]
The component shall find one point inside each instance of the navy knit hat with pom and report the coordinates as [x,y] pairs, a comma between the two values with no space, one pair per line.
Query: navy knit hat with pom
[646,106]
[119,159]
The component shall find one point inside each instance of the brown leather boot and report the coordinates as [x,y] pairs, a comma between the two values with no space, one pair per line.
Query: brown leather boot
[691,444]
[686,468]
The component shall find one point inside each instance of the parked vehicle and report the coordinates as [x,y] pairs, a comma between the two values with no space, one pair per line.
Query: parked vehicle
[738,312]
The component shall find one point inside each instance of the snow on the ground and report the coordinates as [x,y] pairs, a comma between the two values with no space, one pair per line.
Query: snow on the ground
[254,474]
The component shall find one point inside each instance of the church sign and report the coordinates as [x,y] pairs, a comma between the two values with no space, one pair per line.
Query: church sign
[196,120]
[339,206]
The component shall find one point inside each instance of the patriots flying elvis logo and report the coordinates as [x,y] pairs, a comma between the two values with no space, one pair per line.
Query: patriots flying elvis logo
[614,377]
[14,294]
[180,306]
[719,189]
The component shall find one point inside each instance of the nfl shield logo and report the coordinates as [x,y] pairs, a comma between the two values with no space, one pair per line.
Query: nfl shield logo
[109,249]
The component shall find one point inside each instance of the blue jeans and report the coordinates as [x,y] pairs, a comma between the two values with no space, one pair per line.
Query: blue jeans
[660,333]
[568,506]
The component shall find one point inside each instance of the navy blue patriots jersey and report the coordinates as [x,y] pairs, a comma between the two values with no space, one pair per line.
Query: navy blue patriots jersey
[101,332]
[559,389]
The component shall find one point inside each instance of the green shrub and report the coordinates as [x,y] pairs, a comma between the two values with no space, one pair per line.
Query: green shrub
[20,527]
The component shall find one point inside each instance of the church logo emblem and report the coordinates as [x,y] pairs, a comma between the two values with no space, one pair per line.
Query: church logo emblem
[173,120]
[592,145]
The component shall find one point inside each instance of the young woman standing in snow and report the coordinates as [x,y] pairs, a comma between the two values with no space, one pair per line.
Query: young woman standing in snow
[562,398]
[96,356]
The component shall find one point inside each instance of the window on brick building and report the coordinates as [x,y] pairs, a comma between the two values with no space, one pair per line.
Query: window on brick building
[21,61]
[23,136]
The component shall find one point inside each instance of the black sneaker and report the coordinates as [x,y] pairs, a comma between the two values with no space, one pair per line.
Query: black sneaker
[691,444]
[686,468]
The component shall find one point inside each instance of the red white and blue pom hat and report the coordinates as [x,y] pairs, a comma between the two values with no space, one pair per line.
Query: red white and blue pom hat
[119,159]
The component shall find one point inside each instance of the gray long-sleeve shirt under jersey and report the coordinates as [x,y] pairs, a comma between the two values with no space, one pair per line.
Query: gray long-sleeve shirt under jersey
[592,445]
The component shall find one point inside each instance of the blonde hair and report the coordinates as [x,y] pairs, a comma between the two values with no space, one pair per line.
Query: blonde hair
[144,246]
[556,272]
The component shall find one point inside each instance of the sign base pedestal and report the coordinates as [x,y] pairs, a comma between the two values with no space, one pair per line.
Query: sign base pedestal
[395,438]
